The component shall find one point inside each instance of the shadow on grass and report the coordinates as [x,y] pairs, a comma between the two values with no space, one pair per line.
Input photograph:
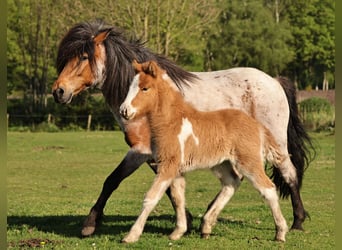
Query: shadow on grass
[71,226]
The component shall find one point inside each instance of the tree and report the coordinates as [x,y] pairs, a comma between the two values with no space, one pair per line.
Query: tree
[174,28]
[30,55]
[249,36]
[313,24]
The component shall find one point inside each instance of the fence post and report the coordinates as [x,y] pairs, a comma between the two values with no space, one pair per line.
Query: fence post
[89,122]
[49,118]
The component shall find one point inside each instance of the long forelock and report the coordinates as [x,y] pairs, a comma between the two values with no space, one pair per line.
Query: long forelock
[77,41]
[120,52]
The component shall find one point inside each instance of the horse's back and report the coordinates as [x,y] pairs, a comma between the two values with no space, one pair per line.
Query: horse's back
[235,87]
[248,89]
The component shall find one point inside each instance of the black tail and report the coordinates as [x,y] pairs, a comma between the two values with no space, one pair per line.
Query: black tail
[299,144]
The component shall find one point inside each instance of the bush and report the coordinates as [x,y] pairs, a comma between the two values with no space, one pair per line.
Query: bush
[317,114]
[73,127]
[19,129]
[46,127]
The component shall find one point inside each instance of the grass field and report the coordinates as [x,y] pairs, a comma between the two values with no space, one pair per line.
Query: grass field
[55,178]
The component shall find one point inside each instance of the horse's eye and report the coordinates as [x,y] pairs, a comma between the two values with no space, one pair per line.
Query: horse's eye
[83,58]
[144,89]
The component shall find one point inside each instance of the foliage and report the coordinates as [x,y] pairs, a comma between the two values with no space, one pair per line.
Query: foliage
[53,180]
[313,28]
[288,37]
[249,36]
[317,114]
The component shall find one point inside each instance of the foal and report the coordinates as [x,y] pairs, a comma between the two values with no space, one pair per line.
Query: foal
[187,139]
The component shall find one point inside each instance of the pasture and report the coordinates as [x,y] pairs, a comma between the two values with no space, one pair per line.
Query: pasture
[53,179]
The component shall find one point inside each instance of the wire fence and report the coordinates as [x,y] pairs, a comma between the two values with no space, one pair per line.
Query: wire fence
[71,122]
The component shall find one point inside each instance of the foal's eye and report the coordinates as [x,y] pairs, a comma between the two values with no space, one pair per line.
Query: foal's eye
[144,89]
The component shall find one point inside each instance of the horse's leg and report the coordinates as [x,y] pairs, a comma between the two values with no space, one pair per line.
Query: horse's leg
[288,172]
[265,186]
[188,215]
[298,145]
[178,197]
[161,182]
[128,165]
[230,182]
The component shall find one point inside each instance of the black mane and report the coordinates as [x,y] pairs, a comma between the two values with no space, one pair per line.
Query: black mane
[120,53]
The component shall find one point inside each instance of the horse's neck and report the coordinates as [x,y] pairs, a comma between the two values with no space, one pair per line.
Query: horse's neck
[169,111]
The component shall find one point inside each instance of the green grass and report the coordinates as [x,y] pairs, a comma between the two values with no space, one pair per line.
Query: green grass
[55,178]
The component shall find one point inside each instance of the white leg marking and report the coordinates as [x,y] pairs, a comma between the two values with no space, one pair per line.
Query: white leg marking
[185,133]
[288,171]
[270,195]
[151,199]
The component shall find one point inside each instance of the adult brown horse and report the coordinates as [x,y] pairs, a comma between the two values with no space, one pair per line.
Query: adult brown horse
[100,56]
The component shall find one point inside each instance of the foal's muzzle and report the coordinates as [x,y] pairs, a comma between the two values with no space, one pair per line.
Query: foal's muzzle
[126,112]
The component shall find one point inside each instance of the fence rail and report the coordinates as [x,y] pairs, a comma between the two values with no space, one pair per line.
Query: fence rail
[83,121]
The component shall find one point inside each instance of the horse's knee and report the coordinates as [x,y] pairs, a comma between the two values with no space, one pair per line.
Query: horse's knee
[288,171]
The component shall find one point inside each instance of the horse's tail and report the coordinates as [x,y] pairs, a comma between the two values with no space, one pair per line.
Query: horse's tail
[299,143]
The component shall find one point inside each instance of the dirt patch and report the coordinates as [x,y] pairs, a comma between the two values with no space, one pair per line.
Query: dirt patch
[34,243]
[42,148]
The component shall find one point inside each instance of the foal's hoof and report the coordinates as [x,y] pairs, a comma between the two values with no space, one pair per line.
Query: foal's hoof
[177,233]
[205,236]
[129,239]
[280,235]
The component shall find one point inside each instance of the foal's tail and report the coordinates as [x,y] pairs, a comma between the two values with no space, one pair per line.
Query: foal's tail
[299,144]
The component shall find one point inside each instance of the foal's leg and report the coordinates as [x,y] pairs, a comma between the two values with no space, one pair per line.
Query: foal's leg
[267,189]
[129,164]
[152,197]
[178,196]
[173,199]
[230,182]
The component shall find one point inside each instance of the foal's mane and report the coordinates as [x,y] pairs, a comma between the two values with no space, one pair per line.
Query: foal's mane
[120,53]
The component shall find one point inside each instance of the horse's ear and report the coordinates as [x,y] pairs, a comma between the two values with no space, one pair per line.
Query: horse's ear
[136,66]
[152,68]
[99,38]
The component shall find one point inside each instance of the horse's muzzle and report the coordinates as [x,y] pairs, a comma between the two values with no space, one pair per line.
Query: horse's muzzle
[60,97]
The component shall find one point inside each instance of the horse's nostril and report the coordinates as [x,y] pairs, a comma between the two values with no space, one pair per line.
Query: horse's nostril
[58,94]
[60,91]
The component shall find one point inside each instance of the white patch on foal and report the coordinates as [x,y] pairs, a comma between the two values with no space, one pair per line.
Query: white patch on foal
[185,133]
[132,92]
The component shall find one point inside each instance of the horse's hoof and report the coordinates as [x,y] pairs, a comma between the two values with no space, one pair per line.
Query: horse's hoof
[205,236]
[129,239]
[298,227]
[88,231]
[189,220]
[93,219]
[280,239]
[177,234]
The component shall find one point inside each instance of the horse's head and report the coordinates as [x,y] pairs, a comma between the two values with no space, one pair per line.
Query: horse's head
[80,63]
[143,92]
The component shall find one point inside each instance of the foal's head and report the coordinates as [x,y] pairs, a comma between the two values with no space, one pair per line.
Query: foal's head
[143,93]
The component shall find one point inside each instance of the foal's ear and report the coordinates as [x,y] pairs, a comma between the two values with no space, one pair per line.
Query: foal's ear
[152,69]
[99,38]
